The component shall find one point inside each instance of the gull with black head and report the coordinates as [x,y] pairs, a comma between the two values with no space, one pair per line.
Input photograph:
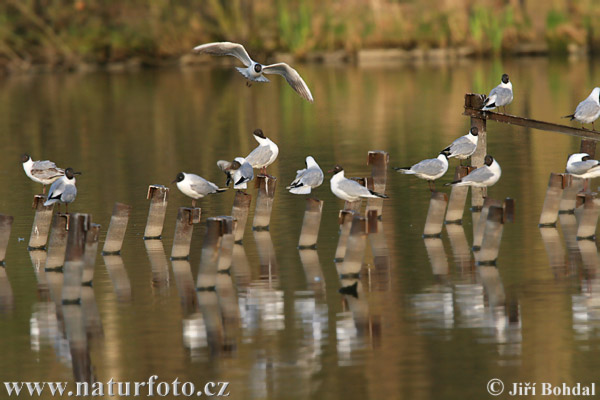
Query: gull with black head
[239,171]
[581,165]
[264,154]
[500,96]
[481,177]
[255,71]
[588,110]
[63,190]
[464,147]
[44,172]
[195,186]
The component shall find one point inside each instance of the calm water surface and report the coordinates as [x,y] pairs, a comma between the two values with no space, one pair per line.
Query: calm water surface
[431,326]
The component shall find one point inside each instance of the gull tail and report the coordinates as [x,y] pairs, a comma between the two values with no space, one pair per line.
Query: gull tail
[383,196]
[403,170]
[572,116]
[452,183]
[219,190]
[300,189]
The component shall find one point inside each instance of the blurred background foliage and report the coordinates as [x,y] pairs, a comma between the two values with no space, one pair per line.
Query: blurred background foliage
[72,32]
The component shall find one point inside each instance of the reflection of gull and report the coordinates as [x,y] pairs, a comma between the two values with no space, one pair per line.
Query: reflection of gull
[262,308]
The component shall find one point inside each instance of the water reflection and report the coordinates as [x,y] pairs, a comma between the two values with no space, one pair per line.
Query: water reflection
[160,266]
[6,294]
[118,276]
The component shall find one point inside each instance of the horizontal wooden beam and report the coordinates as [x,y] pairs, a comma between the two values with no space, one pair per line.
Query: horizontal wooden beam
[472,109]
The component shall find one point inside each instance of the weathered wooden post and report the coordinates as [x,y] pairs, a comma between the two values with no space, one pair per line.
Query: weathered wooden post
[458,197]
[482,222]
[264,202]
[311,224]
[184,228]
[437,256]
[435,215]
[207,274]
[57,244]
[379,161]
[553,199]
[158,262]
[79,224]
[588,218]
[90,252]
[116,229]
[355,250]
[572,186]
[355,205]
[588,146]
[345,221]
[118,276]
[6,222]
[490,245]
[239,211]
[158,196]
[476,101]
[41,223]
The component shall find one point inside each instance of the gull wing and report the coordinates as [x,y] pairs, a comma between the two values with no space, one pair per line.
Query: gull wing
[292,77]
[225,49]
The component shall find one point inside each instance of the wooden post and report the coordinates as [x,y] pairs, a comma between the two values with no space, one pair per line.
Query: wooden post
[184,228]
[435,215]
[572,186]
[158,196]
[311,224]
[264,202]
[378,160]
[588,146]
[41,223]
[241,207]
[553,198]
[90,252]
[458,197]
[5,228]
[588,219]
[481,223]
[207,274]
[116,229]
[490,245]
[476,101]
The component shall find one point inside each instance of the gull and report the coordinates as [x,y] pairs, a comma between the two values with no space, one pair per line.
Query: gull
[581,165]
[239,171]
[263,155]
[430,169]
[195,186]
[501,95]
[63,190]
[44,172]
[464,147]
[307,179]
[255,71]
[588,110]
[481,177]
[349,190]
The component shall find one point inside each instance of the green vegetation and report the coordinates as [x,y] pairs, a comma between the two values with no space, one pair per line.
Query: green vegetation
[67,33]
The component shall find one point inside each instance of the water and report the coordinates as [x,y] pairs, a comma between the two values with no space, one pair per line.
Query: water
[432,326]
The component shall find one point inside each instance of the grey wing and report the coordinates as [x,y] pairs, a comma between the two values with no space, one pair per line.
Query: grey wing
[462,146]
[503,95]
[353,188]
[479,175]
[259,156]
[247,171]
[586,109]
[432,166]
[69,193]
[581,167]
[312,177]
[202,186]
[46,170]
[292,77]
[223,165]
[56,189]
[298,177]
[225,49]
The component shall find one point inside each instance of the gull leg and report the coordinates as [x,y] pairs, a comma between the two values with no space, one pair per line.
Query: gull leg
[248,83]
[43,189]
[66,208]
[593,126]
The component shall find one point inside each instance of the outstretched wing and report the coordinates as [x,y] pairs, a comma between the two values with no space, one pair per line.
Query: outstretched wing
[292,77]
[226,49]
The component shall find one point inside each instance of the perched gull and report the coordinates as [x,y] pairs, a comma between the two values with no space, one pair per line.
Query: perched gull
[463,147]
[588,110]
[581,165]
[195,186]
[349,190]
[307,179]
[63,190]
[501,95]
[263,155]
[481,177]
[239,171]
[430,169]
[254,71]
[44,172]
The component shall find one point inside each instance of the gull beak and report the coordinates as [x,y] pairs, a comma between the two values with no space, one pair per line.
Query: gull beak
[330,171]
[175,180]
[76,173]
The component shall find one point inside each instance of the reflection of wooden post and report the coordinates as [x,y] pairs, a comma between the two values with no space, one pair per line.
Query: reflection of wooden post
[553,244]
[6,293]
[116,229]
[552,200]
[345,220]
[207,274]
[378,160]
[227,240]
[5,228]
[311,224]
[158,196]
[437,256]
[588,218]
[90,253]
[476,101]
[241,207]
[480,224]
[41,223]
[182,271]
[264,202]
[184,228]
[158,263]
[355,250]
[58,243]
[572,186]
[435,215]
[460,248]
[379,249]
[312,269]
[118,276]
[490,246]
[458,197]
[74,259]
